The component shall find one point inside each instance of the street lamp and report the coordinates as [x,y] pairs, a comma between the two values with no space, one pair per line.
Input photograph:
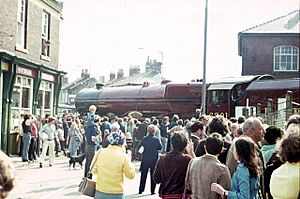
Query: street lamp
[204,61]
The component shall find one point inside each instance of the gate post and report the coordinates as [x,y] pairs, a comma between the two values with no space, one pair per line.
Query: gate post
[289,105]
[270,111]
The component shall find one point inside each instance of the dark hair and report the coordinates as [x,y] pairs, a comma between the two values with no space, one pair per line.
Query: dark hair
[155,121]
[241,119]
[273,134]
[289,148]
[246,151]
[214,144]
[219,125]
[196,126]
[179,141]
[26,117]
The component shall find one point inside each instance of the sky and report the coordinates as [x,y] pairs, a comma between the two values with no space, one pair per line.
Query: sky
[104,36]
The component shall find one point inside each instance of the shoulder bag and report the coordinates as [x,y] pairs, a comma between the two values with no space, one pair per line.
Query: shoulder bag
[88,186]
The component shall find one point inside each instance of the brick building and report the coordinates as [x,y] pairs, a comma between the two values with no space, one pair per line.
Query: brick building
[30,81]
[272,47]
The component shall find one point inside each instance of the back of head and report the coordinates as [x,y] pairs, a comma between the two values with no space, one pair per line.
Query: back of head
[92,108]
[289,146]
[218,124]
[214,144]
[115,127]
[116,138]
[272,134]
[179,141]
[151,129]
[51,119]
[241,119]
[246,152]
[196,126]
[294,119]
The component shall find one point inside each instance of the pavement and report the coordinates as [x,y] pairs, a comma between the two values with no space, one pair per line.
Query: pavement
[60,183]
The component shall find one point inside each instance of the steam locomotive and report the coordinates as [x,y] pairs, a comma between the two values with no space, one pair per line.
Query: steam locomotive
[224,97]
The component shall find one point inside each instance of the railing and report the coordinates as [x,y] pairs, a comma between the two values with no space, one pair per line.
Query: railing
[277,113]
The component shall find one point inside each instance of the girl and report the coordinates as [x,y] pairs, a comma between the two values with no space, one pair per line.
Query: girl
[245,181]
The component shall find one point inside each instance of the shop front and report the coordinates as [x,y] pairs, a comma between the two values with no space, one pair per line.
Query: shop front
[27,88]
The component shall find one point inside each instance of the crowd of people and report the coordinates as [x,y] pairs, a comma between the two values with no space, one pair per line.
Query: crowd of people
[201,157]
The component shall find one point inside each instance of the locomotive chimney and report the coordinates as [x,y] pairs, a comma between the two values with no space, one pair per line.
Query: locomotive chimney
[99,86]
[120,74]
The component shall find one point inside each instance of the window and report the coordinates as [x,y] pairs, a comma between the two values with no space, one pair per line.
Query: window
[219,97]
[286,58]
[46,34]
[21,26]
[45,98]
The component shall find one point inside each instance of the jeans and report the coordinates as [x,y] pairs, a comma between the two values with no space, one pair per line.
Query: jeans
[164,142]
[26,144]
[101,195]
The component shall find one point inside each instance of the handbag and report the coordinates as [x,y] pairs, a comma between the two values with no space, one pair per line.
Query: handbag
[88,186]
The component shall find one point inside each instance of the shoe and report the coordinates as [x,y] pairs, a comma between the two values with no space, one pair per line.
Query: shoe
[50,165]
[41,165]
[140,192]
[153,193]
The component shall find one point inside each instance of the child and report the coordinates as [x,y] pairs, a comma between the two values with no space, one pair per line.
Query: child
[245,180]
[91,116]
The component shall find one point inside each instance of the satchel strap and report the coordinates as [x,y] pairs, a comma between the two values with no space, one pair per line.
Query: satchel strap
[91,168]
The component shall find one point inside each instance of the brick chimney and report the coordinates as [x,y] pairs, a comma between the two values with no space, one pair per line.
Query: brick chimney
[112,76]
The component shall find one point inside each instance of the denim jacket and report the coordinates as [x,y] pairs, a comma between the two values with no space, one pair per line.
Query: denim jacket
[242,186]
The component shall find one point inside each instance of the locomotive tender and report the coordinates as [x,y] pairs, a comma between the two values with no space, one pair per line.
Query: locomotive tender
[168,98]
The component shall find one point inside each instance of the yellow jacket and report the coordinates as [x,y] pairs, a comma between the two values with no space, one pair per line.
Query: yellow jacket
[284,182]
[111,166]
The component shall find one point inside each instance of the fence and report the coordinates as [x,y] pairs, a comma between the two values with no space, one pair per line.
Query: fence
[276,113]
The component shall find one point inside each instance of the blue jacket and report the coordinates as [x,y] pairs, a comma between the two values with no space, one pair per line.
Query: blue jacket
[242,186]
[151,146]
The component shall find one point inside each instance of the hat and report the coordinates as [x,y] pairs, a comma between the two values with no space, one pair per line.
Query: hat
[116,138]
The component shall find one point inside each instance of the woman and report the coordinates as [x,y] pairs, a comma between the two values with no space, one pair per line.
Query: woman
[285,180]
[26,137]
[74,139]
[245,180]
[172,176]
[112,163]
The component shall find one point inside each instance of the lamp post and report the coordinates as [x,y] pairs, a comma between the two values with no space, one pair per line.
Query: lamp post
[203,103]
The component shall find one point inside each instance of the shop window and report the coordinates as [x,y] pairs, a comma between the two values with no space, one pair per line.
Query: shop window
[16,97]
[25,97]
[40,99]
[47,99]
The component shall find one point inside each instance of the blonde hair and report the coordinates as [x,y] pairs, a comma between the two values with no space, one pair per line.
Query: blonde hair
[92,108]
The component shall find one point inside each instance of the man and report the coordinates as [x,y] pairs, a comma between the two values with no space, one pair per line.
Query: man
[47,133]
[164,133]
[252,128]
[198,133]
[151,146]
[207,169]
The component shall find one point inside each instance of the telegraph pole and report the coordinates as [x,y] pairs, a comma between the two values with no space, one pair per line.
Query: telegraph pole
[203,104]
